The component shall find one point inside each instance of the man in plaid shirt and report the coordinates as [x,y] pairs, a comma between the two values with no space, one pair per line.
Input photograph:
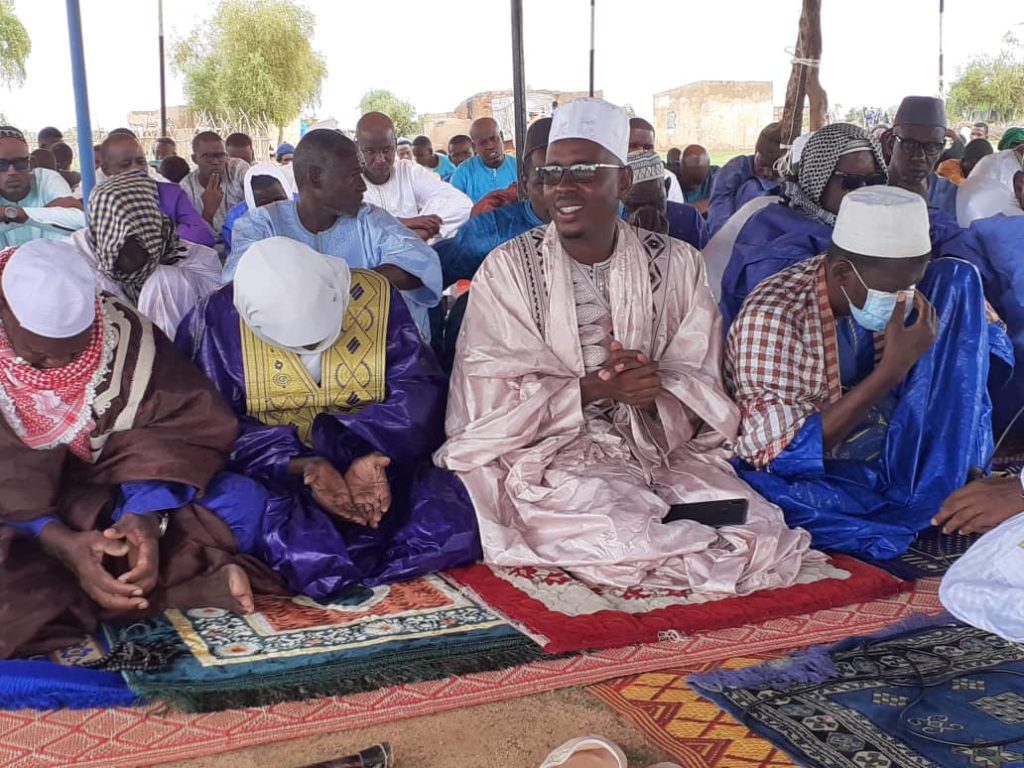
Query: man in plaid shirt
[861,379]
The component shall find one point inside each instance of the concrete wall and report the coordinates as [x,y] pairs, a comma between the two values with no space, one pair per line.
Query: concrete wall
[719,115]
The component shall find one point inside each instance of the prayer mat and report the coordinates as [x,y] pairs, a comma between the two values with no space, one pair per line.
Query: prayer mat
[695,732]
[942,694]
[931,554]
[563,614]
[113,738]
[295,648]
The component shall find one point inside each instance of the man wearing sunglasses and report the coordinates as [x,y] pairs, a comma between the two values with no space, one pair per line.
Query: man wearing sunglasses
[34,204]
[915,145]
[862,378]
[586,396]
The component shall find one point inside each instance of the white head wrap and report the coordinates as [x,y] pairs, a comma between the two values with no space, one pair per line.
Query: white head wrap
[265,169]
[883,222]
[980,197]
[291,296]
[50,289]
[595,120]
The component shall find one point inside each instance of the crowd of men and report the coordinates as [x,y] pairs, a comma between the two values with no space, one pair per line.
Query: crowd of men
[222,378]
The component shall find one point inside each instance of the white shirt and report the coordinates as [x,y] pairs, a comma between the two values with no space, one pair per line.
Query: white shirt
[172,290]
[985,587]
[718,251]
[675,192]
[412,190]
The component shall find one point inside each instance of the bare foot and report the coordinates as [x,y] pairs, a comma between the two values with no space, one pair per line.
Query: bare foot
[228,588]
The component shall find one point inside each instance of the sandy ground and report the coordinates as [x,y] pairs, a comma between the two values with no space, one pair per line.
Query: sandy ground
[510,734]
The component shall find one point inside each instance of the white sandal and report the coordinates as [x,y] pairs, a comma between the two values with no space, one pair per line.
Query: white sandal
[564,753]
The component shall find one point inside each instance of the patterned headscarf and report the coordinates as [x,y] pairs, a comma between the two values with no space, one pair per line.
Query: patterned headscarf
[126,205]
[818,162]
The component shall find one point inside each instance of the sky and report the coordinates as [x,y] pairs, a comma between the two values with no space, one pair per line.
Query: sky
[461,47]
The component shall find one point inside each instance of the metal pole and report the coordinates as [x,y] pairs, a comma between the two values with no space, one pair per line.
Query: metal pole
[942,84]
[519,84]
[163,83]
[591,48]
[81,99]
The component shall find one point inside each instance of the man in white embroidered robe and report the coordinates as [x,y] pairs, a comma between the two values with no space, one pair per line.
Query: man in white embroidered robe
[587,396]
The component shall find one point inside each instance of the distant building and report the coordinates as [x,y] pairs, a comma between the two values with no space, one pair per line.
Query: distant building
[717,114]
[440,127]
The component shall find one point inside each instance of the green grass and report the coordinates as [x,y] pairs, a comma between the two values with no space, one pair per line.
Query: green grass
[721,158]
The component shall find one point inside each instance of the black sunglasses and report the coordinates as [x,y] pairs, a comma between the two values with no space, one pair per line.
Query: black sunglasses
[913,145]
[581,173]
[852,181]
[19,163]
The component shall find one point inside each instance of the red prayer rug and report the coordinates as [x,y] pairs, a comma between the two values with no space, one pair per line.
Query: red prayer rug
[564,614]
[149,735]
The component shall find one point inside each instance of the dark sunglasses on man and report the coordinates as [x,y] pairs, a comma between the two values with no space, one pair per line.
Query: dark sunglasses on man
[852,181]
[19,163]
[581,173]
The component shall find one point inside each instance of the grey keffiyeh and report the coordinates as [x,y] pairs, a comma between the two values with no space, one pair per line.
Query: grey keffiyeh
[818,163]
[123,206]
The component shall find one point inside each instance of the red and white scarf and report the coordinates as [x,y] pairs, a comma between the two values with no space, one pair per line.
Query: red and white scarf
[51,407]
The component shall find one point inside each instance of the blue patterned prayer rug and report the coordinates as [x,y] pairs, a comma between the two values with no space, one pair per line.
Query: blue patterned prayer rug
[296,648]
[930,554]
[944,695]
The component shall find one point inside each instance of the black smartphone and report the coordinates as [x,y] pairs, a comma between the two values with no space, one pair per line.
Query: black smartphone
[713,513]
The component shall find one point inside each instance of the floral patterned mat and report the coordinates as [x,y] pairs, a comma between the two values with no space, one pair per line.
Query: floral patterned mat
[296,647]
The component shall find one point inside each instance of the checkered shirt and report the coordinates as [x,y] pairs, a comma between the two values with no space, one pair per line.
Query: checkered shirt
[782,360]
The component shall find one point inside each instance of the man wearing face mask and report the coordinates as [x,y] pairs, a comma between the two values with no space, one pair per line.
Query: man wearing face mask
[835,363]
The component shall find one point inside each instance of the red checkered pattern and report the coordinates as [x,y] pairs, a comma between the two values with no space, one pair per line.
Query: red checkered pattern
[782,364]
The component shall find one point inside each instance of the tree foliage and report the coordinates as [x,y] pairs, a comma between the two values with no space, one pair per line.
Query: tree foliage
[989,87]
[15,46]
[254,57]
[401,112]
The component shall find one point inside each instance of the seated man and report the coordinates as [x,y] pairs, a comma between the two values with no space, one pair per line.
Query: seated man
[134,249]
[331,216]
[915,145]
[641,139]
[403,149]
[110,438]
[856,421]
[460,149]
[42,158]
[423,152]
[957,170]
[463,254]
[745,178]
[489,168]
[215,186]
[284,154]
[835,160]
[985,587]
[163,148]
[697,176]
[120,153]
[64,156]
[647,205]
[48,136]
[34,204]
[341,404]
[174,169]
[587,395]
[264,183]
[239,146]
[408,191]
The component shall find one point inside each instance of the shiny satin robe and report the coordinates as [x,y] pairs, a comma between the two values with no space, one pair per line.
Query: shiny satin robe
[380,390]
[585,489]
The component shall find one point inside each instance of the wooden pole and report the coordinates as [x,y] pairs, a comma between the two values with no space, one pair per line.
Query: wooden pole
[803,80]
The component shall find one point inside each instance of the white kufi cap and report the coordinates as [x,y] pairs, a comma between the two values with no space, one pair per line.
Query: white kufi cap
[595,120]
[291,296]
[883,222]
[50,289]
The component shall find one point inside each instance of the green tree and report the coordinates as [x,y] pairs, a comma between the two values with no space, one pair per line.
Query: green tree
[253,57]
[15,46]
[401,112]
[990,87]
[628,109]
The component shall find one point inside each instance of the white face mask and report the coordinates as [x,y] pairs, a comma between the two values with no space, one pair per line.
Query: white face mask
[878,306]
